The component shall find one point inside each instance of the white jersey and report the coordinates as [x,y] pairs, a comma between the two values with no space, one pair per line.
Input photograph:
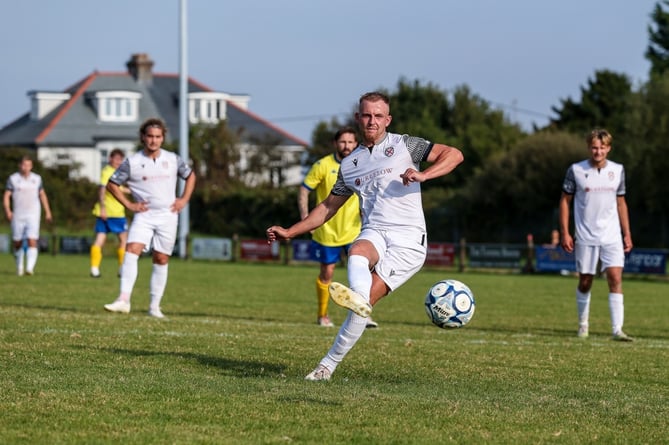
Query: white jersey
[595,192]
[25,195]
[150,180]
[374,175]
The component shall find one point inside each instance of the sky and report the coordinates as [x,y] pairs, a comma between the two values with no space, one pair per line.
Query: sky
[306,61]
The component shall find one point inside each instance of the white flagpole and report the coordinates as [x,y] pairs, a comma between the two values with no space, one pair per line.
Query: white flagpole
[184,217]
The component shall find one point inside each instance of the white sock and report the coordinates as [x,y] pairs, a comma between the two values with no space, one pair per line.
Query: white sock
[617,312]
[583,307]
[349,333]
[359,275]
[19,254]
[31,259]
[157,285]
[128,275]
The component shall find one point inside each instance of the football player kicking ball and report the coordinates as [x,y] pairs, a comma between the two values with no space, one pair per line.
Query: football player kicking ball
[151,175]
[384,173]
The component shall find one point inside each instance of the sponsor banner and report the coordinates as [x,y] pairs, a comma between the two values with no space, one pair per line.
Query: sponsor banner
[301,249]
[74,244]
[503,256]
[212,249]
[646,261]
[259,249]
[553,259]
[440,254]
[4,243]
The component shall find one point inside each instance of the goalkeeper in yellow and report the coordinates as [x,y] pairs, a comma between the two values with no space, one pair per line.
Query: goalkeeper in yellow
[110,216]
[334,237]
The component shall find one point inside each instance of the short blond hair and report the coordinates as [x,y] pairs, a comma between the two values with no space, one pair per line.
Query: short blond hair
[601,135]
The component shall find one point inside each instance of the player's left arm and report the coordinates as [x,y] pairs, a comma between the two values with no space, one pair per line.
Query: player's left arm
[189,186]
[623,216]
[45,204]
[442,158]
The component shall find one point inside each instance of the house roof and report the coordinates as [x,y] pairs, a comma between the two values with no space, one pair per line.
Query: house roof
[74,122]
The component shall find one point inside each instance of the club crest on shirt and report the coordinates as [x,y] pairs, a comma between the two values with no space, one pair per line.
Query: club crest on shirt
[612,176]
[389,151]
[165,165]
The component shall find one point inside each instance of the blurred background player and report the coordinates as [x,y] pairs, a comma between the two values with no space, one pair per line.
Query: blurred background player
[335,236]
[151,175]
[597,188]
[22,198]
[110,216]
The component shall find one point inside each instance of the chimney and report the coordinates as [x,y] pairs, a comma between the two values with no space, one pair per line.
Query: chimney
[139,67]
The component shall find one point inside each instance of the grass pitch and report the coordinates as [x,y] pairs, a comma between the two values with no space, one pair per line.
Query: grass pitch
[228,364]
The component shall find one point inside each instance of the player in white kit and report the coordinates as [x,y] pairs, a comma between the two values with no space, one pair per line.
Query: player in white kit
[26,192]
[597,188]
[151,175]
[384,172]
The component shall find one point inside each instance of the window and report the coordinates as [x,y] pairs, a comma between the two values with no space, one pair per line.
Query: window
[117,106]
[207,107]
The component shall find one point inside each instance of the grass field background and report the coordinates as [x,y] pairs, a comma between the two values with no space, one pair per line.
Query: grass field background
[228,364]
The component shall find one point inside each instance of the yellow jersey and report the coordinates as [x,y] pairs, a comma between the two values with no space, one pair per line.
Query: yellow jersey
[345,225]
[114,208]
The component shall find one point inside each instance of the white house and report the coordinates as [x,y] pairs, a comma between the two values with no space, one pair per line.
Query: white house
[104,110]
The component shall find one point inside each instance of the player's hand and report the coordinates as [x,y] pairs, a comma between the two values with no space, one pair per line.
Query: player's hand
[412,175]
[276,233]
[627,243]
[567,243]
[139,207]
[178,205]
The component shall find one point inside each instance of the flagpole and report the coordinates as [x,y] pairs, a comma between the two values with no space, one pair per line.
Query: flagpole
[184,217]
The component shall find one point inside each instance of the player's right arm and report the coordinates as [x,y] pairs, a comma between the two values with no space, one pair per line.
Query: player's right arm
[303,201]
[316,218]
[567,241]
[5,202]
[136,207]
[101,199]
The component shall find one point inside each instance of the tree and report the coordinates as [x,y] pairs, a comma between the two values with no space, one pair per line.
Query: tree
[215,156]
[516,193]
[604,103]
[657,51]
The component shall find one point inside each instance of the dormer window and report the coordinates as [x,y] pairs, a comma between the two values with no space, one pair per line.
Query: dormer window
[44,102]
[207,107]
[116,106]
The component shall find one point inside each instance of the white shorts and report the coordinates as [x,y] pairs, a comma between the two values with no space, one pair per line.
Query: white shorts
[25,227]
[611,255]
[401,253]
[154,230]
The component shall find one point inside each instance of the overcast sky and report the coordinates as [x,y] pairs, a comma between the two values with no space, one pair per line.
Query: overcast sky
[303,61]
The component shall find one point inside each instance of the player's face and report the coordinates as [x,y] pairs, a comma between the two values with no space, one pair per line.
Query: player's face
[25,167]
[373,118]
[345,145]
[598,152]
[153,139]
[115,161]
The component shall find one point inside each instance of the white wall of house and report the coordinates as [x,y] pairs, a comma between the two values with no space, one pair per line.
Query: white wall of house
[89,160]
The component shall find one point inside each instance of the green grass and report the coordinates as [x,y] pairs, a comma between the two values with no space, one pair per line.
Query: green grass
[228,364]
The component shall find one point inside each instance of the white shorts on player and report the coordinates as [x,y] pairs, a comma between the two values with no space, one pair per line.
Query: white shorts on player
[587,257]
[156,229]
[25,227]
[401,253]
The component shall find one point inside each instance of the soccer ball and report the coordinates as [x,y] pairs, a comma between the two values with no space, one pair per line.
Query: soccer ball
[450,304]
